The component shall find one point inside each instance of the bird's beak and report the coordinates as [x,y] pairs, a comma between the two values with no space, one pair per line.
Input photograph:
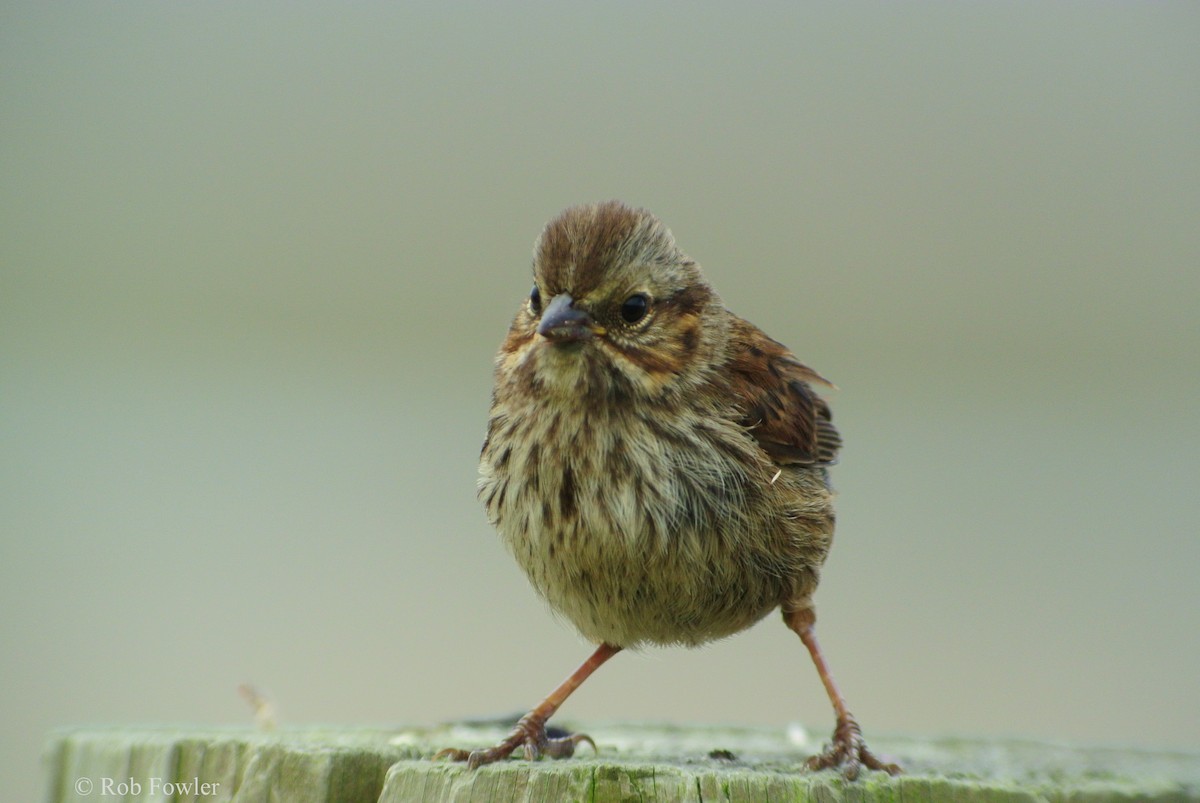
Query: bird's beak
[563,323]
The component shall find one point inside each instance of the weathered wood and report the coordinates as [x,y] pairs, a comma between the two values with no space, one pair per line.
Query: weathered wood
[636,762]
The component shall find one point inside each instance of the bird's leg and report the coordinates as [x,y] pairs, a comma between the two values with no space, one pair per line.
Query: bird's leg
[530,731]
[848,751]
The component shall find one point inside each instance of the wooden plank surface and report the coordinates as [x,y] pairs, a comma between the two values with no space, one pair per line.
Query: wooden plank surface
[641,762]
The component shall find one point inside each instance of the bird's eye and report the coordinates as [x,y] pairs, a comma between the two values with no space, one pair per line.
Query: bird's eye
[635,308]
[535,301]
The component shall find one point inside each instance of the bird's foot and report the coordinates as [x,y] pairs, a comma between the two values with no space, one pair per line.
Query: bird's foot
[849,753]
[530,732]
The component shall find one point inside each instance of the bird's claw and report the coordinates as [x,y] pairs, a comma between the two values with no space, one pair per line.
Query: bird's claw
[848,753]
[529,734]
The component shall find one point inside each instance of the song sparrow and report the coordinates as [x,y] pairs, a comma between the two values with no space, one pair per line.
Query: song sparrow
[656,464]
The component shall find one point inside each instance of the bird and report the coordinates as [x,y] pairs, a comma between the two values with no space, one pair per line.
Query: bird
[657,465]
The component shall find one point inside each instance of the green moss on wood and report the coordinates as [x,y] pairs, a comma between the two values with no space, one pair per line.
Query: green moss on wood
[636,763]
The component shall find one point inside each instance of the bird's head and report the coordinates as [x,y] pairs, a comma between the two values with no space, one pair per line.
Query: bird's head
[616,307]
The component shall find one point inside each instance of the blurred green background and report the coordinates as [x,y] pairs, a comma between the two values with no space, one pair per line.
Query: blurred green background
[255,261]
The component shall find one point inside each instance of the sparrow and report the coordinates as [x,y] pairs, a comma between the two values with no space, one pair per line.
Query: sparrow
[657,465]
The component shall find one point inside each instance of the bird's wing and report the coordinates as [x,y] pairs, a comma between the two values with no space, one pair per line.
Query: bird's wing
[781,411]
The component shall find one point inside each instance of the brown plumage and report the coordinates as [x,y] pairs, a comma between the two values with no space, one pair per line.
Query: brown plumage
[655,464]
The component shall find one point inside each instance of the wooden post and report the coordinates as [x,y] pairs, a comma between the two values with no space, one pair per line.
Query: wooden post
[636,762]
